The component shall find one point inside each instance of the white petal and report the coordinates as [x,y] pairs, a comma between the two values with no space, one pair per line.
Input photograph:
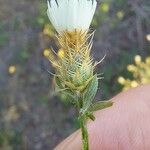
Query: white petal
[71,14]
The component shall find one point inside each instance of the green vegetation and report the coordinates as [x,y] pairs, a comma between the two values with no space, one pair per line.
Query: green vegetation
[9,139]
[4,36]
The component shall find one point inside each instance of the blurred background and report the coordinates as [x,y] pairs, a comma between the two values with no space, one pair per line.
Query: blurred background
[32,116]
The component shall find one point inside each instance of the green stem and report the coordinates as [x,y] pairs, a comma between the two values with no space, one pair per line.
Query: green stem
[85,141]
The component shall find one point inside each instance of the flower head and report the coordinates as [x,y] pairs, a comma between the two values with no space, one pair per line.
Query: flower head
[46,52]
[12,69]
[73,62]
[71,14]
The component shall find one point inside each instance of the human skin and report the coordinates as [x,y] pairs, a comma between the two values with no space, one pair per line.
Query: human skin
[124,126]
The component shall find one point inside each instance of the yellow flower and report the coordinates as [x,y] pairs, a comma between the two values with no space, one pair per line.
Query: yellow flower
[131,68]
[148,37]
[120,14]
[144,80]
[47,30]
[137,59]
[140,72]
[12,69]
[134,84]
[46,52]
[148,60]
[121,80]
[104,7]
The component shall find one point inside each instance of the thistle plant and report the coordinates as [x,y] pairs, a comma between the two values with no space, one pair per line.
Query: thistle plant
[75,69]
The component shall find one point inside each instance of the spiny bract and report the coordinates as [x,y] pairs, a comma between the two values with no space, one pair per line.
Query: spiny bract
[74,68]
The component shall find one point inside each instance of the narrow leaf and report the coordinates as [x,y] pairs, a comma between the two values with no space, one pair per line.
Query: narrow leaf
[100,105]
[90,93]
[91,116]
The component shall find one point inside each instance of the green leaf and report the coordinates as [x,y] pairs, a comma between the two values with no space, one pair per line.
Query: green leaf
[60,90]
[90,93]
[100,105]
[91,116]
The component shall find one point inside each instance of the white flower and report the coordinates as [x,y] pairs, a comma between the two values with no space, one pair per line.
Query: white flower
[71,14]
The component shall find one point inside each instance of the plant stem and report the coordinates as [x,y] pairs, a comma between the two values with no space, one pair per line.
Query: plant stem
[85,141]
